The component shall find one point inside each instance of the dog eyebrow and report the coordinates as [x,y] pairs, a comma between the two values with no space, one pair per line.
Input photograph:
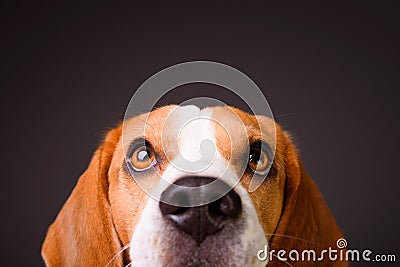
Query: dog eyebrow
[252,126]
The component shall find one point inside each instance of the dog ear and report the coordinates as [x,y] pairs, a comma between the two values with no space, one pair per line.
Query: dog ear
[83,233]
[306,222]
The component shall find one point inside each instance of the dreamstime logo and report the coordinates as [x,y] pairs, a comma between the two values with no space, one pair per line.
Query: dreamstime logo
[153,89]
[341,243]
[340,253]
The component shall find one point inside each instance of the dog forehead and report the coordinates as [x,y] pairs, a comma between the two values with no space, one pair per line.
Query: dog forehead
[184,128]
[192,125]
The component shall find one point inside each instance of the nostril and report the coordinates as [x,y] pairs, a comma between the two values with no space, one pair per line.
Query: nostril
[167,209]
[199,221]
[215,208]
[174,195]
[180,210]
[231,204]
[228,206]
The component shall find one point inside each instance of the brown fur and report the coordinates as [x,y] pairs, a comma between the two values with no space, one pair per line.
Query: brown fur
[306,221]
[100,216]
[83,232]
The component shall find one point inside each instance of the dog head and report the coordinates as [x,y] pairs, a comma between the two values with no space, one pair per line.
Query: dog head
[170,188]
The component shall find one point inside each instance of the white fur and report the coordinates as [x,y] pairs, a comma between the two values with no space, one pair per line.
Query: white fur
[147,243]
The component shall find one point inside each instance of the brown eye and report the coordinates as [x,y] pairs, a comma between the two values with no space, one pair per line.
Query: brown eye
[258,159]
[142,158]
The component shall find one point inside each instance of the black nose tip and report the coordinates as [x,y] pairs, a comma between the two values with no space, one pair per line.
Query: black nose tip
[200,221]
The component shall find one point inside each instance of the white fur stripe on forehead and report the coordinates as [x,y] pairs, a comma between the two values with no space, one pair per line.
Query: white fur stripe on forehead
[194,128]
[198,154]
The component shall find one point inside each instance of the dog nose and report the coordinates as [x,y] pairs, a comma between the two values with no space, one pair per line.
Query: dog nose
[205,220]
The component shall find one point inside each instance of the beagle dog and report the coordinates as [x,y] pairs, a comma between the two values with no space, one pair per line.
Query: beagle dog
[115,217]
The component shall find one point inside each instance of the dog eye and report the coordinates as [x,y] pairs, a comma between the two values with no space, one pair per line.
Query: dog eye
[142,158]
[259,160]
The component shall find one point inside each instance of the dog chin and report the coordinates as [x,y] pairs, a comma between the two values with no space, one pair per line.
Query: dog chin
[217,254]
[228,247]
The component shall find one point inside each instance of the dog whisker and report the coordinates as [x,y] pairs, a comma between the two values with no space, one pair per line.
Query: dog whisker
[293,237]
[129,264]
[116,255]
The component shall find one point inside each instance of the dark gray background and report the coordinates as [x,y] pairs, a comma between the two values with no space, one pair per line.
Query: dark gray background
[330,72]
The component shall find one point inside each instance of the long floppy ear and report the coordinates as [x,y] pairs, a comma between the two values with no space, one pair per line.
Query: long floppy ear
[306,222]
[83,233]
